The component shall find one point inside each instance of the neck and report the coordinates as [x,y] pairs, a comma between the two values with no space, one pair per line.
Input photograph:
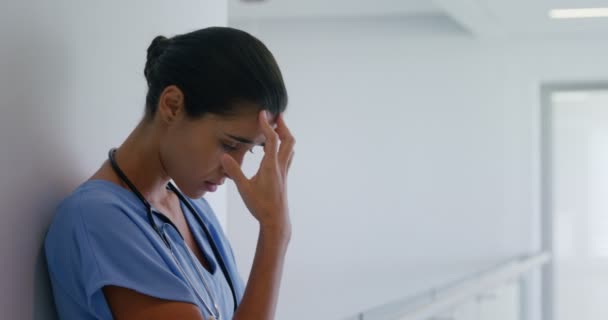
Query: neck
[139,158]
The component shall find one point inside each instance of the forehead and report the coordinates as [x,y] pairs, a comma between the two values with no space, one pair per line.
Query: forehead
[242,124]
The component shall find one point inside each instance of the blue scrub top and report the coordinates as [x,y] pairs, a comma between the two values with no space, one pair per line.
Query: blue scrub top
[101,236]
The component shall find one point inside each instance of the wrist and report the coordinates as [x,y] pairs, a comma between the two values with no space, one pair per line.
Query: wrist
[276,232]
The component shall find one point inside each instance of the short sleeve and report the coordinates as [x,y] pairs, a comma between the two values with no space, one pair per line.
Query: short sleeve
[119,248]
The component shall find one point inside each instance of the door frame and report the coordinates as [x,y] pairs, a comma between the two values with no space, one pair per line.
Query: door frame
[546,165]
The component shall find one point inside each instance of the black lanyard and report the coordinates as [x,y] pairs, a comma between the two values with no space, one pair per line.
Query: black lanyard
[170,186]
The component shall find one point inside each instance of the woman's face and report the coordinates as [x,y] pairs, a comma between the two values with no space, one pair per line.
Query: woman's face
[191,149]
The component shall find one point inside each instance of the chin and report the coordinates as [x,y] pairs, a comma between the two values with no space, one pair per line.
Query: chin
[192,193]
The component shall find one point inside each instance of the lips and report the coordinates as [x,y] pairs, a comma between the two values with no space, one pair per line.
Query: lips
[217,183]
[212,186]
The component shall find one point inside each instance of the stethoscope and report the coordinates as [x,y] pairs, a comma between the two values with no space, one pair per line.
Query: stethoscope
[162,235]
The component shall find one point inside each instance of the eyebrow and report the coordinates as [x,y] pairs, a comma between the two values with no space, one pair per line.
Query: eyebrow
[243,140]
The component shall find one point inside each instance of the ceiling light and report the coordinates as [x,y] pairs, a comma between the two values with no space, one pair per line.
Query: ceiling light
[578,13]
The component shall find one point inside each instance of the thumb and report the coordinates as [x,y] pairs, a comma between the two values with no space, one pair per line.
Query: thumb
[233,170]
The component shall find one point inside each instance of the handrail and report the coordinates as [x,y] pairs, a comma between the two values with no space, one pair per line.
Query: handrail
[441,299]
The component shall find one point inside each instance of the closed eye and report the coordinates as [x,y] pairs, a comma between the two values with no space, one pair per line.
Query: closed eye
[229,148]
[243,140]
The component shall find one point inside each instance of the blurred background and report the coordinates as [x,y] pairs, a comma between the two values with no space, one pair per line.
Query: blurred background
[452,156]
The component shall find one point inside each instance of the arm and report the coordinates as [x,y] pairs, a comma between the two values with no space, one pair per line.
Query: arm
[127,304]
[262,291]
[260,297]
[265,195]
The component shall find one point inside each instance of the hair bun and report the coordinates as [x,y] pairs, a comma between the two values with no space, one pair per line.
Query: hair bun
[155,50]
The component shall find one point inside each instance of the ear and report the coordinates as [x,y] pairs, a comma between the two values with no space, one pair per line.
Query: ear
[171,104]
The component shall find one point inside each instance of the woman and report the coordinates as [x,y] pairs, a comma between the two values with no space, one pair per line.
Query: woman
[136,240]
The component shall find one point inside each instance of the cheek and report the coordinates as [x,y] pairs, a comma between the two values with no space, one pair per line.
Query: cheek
[207,158]
[191,157]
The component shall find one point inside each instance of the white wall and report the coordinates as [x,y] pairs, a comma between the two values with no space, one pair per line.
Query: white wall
[71,87]
[417,159]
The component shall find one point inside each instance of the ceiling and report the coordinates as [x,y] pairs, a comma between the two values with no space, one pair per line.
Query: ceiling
[522,17]
[484,18]
[277,9]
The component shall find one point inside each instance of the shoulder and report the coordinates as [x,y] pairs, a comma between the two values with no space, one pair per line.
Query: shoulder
[66,241]
[94,202]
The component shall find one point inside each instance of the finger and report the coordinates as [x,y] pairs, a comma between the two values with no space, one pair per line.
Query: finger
[287,141]
[272,139]
[233,170]
[289,161]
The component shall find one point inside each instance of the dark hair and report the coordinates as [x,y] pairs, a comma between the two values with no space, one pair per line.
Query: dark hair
[215,68]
